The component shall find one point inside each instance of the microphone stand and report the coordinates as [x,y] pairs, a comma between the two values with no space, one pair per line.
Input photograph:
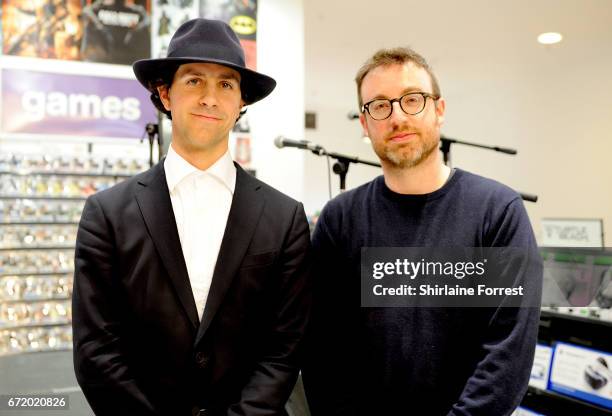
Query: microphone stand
[341,166]
[152,131]
[343,162]
[445,147]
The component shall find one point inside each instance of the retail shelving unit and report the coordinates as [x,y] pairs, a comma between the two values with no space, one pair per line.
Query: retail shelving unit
[41,199]
[581,330]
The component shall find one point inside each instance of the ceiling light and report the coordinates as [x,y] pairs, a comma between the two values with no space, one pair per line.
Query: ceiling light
[549,38]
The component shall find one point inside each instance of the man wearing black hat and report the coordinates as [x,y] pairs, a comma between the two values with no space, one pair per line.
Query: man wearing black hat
[191,288]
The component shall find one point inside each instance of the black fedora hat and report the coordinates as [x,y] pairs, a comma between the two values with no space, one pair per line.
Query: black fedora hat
[204,40]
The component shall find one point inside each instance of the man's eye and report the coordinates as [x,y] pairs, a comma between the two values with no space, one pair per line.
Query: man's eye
[227,85]
[193,81]
[380,105]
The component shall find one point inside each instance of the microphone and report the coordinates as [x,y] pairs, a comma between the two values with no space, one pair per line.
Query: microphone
[352,115]
[282,141]
[505,150]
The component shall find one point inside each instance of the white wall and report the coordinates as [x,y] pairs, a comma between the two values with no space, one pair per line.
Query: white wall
[280,54]
[553,104]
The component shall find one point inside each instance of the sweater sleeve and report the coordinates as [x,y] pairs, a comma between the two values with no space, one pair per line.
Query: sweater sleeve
[499,381]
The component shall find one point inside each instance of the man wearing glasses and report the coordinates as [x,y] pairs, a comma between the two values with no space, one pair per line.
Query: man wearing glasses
[425,361]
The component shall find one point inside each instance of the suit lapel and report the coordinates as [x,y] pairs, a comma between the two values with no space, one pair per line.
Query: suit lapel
[156,208]
[246,208]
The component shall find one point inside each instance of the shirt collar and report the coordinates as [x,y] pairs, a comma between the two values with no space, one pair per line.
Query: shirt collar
[177,169]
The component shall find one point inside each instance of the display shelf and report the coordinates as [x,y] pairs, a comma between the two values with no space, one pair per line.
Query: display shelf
[35,261]
[40,273]
[47,223]
[65,346]
[35,300]
[577,318]
[35,338]
[44,197]
[36,325]
[41,202]
[15,290]
[587,332]
[38,247]
[36,312]
[34,272]
[37,237]
[552,404]
[15,211]
[72,174]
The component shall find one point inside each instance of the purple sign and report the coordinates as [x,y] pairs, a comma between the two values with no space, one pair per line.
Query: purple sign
[74,105]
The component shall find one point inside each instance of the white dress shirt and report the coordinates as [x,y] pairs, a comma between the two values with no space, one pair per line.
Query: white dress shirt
[201,201]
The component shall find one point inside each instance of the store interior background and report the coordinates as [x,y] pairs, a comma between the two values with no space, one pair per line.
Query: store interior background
[551,103]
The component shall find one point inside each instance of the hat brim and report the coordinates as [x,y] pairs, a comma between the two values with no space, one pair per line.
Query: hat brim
[253,85]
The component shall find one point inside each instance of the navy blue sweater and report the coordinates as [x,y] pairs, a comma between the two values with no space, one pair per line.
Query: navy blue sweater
[421,361]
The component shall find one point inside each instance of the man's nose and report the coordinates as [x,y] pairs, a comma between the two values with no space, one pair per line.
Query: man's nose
[208,96]
[397,115]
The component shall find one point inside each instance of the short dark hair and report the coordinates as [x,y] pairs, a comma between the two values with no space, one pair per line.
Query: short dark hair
[165,79]
[392,56]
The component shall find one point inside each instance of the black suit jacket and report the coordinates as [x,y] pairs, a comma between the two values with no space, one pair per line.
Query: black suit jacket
[139,345]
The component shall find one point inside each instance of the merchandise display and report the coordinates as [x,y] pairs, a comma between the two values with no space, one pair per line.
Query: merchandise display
[36,261]
[570,373]
[583,373]
[576,278]
[27,211]
[521,411]
[30,287]
[28,164]
[541,367]
[41,200]
[38,236]
[21,340]
[13,314]
[49,185]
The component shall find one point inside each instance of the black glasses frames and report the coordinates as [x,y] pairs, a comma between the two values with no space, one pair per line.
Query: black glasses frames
[382,108]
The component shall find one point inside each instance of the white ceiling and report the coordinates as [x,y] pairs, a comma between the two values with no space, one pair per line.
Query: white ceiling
[456,36]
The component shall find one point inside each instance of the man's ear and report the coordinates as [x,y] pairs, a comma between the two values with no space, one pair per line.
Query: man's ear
[162,90]
[364,125]
[440,110]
